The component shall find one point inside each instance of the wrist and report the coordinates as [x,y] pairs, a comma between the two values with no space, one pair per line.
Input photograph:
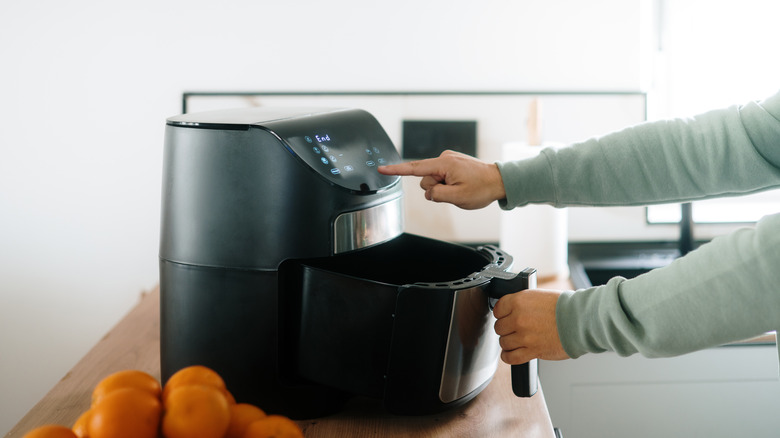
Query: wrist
[497,184]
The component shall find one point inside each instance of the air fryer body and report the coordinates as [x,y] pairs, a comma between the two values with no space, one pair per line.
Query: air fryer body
[238,199]
[284,267]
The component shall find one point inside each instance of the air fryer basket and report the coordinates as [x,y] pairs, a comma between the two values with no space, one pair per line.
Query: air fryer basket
[408,321]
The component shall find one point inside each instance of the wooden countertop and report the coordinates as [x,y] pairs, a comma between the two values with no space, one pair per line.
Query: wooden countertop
[134,343]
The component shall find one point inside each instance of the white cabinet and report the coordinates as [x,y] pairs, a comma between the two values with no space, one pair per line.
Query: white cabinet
[730,391]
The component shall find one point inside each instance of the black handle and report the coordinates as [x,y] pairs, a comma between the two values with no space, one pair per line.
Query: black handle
[525,376]
[525,380]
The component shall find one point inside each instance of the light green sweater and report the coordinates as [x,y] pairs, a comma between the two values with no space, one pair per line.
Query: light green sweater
[726,290]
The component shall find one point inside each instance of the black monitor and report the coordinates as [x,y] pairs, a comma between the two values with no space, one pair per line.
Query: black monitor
[429,138]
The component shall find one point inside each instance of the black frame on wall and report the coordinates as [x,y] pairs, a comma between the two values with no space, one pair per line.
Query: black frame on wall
[187,95]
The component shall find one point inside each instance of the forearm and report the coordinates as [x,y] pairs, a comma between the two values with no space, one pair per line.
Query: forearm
[725,291]
[732,151]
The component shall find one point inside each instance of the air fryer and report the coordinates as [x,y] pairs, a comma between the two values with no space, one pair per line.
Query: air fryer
[284,267]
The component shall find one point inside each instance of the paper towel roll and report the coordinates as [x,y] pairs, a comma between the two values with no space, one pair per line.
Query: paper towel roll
[535,236]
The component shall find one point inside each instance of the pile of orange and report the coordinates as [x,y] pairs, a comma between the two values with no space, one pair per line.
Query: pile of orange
[194,403]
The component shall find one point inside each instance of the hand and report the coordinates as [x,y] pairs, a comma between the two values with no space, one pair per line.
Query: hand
[456,178]
[526,326]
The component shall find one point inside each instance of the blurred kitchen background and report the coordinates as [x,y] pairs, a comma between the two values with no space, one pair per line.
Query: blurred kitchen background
[86,86]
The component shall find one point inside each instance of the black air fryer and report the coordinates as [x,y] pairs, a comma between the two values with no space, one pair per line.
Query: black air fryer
[284,267]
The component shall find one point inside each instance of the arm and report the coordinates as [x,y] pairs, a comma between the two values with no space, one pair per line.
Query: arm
[726,152]
[727,290]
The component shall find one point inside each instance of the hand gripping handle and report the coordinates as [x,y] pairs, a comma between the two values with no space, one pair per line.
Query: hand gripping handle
[525,378]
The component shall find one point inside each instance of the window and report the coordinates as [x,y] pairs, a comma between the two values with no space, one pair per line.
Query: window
[712,54]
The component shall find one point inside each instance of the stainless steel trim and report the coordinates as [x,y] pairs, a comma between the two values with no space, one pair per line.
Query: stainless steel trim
[362,228]
[472,346]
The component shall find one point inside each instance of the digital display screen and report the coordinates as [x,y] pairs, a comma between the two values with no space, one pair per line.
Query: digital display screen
[345,147]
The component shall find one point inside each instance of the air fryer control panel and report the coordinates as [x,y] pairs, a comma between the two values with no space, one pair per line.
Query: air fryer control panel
[344,147]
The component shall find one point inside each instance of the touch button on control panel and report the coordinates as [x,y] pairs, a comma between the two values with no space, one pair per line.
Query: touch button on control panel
[345,147]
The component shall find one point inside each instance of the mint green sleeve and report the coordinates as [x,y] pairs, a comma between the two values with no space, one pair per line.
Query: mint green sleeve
[734,151]
[728,289]
[725,291]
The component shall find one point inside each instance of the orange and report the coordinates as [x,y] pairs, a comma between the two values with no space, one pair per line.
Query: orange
[125,413]
[228,396]
[126,379]
[241,415]
[195,411]
[193,375]
[81,426]
[50,431]
[273,426]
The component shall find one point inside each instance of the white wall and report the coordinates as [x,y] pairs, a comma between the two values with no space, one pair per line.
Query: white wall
[85,87]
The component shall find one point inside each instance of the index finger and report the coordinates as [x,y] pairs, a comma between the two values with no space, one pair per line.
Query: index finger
[411,168]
